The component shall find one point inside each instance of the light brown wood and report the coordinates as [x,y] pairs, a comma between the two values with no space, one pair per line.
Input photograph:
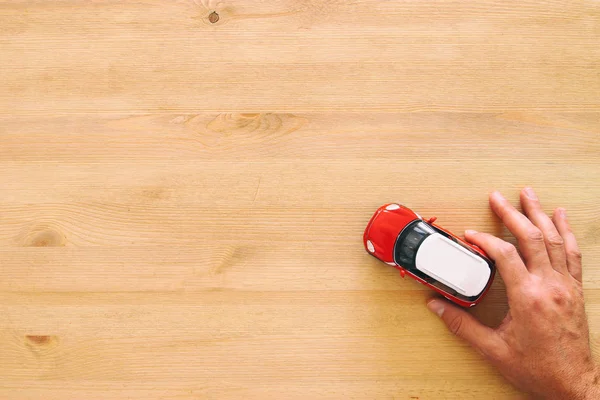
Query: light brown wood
[182,195]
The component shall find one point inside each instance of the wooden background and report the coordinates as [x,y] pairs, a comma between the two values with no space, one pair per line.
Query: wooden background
[182,198]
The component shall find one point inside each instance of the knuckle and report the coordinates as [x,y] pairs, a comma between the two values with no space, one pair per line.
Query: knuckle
[507,250]
[455,324]
[535,235]
[533,296]
[560,296]
[575,254]
[555,241]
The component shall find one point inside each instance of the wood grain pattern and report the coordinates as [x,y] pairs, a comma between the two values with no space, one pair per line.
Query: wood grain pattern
[184,184]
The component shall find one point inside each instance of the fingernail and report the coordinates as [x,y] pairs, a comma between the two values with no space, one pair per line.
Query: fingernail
[436,307]
[530,193]
[470,232]
[563,213]
[497,194]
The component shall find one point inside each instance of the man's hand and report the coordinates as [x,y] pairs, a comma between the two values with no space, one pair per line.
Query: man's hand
[542,345]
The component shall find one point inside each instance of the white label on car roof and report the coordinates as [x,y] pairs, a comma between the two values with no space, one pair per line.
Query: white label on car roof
[452,265]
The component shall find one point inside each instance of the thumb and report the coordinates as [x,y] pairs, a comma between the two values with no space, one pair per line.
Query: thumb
[482,338]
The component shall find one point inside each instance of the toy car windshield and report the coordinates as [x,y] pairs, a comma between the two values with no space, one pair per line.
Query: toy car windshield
[437,258]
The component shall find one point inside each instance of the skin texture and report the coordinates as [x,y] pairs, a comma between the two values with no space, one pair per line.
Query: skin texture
[542,345]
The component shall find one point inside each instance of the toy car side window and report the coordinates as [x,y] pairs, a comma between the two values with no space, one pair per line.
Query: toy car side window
[408,243]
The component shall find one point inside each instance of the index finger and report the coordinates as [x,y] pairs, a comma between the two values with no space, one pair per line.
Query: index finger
[530,237]
[509,263]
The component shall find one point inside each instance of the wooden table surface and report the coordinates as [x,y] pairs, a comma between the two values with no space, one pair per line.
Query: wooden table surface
[184,186]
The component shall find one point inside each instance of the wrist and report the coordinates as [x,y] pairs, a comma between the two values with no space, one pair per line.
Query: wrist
[573,385]
[588,387]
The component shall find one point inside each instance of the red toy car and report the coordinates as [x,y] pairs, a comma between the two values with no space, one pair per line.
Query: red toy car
[460,271]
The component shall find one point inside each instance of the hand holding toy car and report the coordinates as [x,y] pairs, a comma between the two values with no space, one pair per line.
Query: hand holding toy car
[542,345]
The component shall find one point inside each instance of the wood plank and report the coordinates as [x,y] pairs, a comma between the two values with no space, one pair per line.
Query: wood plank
[507,137]
[290,57]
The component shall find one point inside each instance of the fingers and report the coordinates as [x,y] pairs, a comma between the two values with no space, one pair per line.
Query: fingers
[572,252]
[508,262]
[553,240]
[482,338]
[530,237]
